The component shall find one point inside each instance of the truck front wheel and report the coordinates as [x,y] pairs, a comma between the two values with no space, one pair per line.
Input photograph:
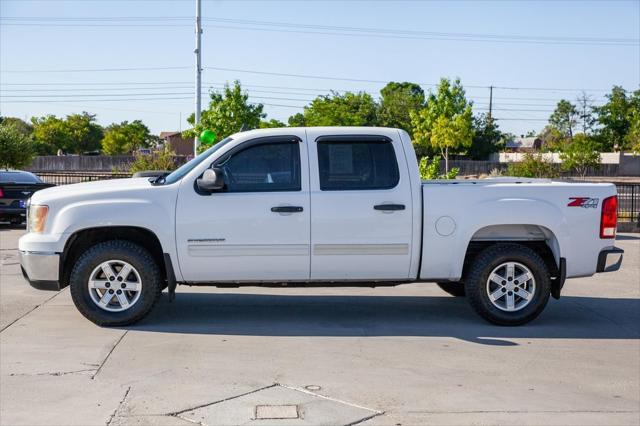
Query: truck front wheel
[508,284]
[115,283]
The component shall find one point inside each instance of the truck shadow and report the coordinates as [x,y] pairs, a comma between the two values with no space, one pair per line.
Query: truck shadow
[368,316]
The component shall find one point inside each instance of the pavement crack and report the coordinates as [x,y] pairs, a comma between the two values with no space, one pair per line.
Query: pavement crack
[54,373]
[358,422]
[177,413]
[120,404]
[108,355]
[28,312]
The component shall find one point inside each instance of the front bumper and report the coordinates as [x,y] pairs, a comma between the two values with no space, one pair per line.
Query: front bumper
[610,259]
[41,269]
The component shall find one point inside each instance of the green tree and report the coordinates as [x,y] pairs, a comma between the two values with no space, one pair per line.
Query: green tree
[51,133]
[77,133]
[615,117]
[564,118]
[487,138]
[15,147]
[126,137]
[532,166]
[227,113]
[445,123]
[348,109]
[632,139]
[26,129]
[296,120]
[397,102]
[552,139]
[581,154]
[84,132]
[270,124]
[19,124]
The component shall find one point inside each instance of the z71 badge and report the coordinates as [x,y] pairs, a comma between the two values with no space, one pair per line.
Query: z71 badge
[584,202]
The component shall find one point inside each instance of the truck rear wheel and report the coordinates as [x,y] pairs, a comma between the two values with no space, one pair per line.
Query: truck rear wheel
[455,289]
[115,283]
[508,284]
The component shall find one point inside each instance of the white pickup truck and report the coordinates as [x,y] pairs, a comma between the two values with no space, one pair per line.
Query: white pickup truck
[330,206]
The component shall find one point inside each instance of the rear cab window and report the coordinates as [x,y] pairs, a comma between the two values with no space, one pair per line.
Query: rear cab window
[356,163]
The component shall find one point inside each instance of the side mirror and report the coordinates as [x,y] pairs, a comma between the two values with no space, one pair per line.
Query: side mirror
[211,180]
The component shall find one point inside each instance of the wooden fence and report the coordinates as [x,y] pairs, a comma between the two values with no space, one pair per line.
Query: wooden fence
[86,163]
[108,164]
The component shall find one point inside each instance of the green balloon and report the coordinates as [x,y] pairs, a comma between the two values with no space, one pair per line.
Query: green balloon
[208,137]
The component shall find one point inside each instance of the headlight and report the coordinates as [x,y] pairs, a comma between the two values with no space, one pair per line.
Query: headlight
[37,218]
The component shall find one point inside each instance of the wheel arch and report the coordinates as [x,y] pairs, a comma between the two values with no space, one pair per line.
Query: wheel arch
[539,238]
[81,240]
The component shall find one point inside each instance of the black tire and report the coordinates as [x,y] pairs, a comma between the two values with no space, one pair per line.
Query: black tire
[486,262]
[455,289]
[126,251]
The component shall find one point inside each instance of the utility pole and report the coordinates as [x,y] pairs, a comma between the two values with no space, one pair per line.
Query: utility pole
[198,52]
[490,102]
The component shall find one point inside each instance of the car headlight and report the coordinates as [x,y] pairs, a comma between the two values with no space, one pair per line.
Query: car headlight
[37,218]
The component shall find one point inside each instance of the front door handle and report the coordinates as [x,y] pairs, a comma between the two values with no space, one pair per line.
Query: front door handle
[287,209]
[389,207]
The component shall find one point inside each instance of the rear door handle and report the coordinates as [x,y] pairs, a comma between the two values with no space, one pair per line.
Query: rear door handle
[287,209]
[389,207]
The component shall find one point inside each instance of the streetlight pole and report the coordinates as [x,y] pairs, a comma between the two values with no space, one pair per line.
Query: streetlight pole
[196,142]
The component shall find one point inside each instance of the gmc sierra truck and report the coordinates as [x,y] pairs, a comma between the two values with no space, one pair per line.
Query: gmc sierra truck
[324,206]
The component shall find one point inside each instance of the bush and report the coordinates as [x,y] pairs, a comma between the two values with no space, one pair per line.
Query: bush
[580,155]
[161,160]
[431,170]
[533,166]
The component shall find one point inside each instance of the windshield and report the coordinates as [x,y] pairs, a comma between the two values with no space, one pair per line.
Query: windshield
[181,171]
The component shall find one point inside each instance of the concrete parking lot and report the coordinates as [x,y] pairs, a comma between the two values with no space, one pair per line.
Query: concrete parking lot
[407,355]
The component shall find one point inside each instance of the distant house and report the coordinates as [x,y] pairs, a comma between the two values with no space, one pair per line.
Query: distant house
[177,143]
[522,144]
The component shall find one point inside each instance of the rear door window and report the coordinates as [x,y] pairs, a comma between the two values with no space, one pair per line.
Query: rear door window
[357,164]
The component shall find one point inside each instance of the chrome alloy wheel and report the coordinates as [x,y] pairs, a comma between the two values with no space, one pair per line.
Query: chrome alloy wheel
[115,285]
[511,286]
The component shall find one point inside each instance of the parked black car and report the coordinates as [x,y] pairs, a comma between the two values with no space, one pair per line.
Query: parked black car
[16,187]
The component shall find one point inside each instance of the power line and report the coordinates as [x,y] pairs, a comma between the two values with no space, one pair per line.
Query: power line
[219,85]
[317,29]
[354,1]
[307,76]
[96,70]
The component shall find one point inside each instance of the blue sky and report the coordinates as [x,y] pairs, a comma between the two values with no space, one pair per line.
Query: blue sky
[126,60]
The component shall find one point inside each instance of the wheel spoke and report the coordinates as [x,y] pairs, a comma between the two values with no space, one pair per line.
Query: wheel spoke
[124,272]
[524,293]
[523,278]
[108,271]
[510,270]
[130,286]
[122,298]
[496,294]
[510,301]
[100,284]
[496,279]
[106,298]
